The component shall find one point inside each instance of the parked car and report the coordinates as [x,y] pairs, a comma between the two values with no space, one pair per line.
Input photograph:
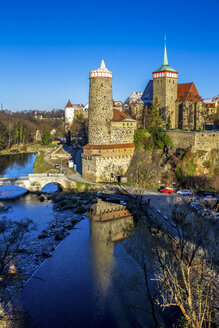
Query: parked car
[195,205]
[206,193]
[209,198]
[184,192]
[166,190]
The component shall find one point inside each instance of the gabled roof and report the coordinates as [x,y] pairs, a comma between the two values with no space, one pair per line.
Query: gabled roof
[69,104]
[148,92]
[119,116]
[187,92]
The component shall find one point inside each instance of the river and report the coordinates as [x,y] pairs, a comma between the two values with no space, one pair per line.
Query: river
[91,278]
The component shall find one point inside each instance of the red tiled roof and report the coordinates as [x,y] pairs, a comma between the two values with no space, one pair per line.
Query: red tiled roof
[120,116]
[187,92]
[110,146]
[69,104]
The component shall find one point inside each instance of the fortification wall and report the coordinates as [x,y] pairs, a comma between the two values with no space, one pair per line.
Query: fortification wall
[122,132]
[101,168]
[203,140]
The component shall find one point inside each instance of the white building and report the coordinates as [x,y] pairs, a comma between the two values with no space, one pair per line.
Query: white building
[70,111]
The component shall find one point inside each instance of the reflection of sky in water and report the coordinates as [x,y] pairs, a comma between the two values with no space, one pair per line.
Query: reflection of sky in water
[17,168]
[8,191]
[65,292]
[30,207]
[50,188]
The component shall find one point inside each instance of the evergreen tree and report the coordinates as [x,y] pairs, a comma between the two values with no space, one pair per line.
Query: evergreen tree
[46,137]
[3,137]
[153,114]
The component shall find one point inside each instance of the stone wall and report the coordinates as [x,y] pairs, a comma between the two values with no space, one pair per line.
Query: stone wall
[189,115]
[165,89]
[122,132]
[106,168]
[100,110]
[203,140]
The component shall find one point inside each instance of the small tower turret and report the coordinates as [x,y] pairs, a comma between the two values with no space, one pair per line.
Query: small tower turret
[69,113]
[165,90]
[100,106]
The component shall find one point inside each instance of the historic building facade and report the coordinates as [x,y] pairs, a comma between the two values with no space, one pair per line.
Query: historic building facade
[110,132]
[181,106]
[73,110]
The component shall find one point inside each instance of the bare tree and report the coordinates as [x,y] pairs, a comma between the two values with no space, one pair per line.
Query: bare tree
[11,236]
[187,272]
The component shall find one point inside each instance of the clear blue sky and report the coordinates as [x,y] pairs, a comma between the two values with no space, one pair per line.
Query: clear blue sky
[47,48]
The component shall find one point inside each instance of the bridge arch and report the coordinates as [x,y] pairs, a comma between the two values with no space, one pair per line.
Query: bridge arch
[50,187]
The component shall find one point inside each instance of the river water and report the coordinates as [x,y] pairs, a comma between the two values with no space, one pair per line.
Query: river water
[90,279]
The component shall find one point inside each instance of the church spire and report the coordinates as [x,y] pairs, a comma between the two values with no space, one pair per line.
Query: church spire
[165,59]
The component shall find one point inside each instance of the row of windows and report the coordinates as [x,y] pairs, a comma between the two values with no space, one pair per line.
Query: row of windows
[162,81]
[109,157]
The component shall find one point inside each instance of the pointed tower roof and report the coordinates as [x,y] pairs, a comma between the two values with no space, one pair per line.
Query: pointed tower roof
[102,71]
[165,59]
[165,66]
[102,66]
[69,104]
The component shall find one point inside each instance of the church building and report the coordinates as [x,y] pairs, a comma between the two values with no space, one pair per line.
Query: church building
[180,104]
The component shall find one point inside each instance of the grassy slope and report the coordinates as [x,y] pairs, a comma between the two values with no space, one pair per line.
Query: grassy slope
[40,166]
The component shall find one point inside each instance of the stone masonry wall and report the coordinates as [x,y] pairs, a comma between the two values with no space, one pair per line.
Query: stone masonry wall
[100,110]
[189,115]
[122,132]
[202,140]
[165,89]
[100,168]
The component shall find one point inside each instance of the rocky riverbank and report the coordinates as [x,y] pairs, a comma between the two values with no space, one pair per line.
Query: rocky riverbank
[69,209]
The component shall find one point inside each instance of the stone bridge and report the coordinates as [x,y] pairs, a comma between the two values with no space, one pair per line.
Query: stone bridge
[35,182]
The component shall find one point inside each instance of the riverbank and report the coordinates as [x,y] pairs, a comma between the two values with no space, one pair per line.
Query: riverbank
[28,148]
[69,209]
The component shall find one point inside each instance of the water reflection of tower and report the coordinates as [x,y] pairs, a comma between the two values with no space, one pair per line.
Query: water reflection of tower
[110,224]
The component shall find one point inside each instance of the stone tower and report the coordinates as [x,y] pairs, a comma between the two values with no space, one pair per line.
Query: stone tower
[100,106]
[110,147]
[165,90]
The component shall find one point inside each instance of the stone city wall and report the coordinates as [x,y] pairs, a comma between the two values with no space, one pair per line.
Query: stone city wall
[101,168]
[122,132]
[203,140]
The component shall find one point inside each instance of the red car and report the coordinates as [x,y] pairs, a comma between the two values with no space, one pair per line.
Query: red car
[166,190]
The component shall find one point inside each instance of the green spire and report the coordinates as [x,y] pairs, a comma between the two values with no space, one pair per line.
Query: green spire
[165,66]
[165,59]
